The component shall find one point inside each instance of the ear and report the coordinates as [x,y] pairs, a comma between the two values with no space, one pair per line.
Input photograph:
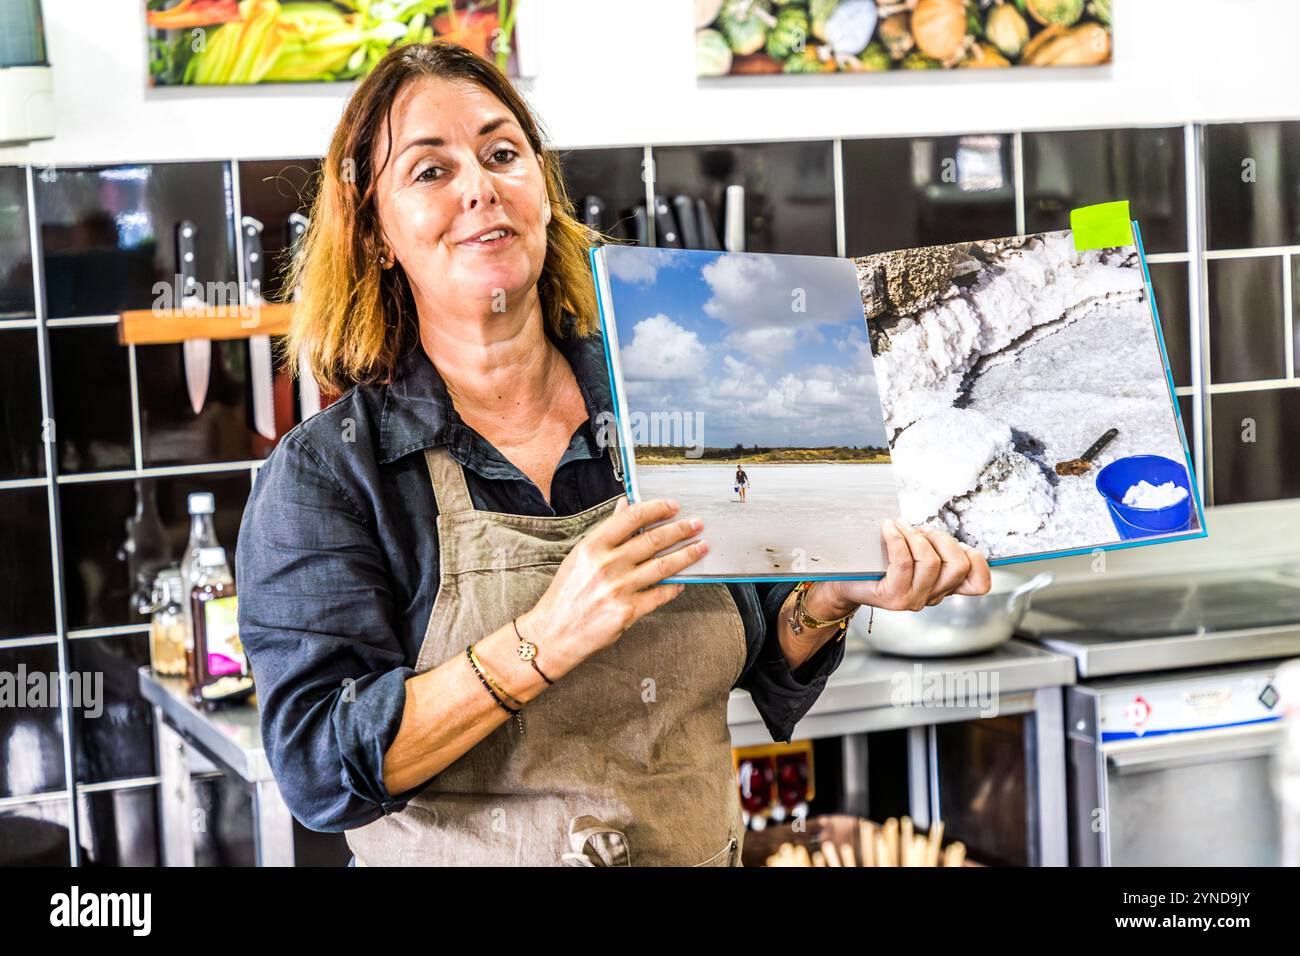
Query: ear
[546,211]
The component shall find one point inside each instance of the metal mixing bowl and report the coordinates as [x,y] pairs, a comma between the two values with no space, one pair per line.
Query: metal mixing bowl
[959,624]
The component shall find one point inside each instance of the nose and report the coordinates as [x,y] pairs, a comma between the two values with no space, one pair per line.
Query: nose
[478,189]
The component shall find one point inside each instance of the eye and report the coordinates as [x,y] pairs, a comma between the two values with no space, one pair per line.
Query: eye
[503,154]
[428,174]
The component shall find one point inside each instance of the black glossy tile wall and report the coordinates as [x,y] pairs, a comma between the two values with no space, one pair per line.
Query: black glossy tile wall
[1256,445]
[35,834]
[21,452]
[223,832]
[607,180]
[16,290]
[171,433]
[108,232]
[901,193]
[31,728]
[97,581]
[789,190]
[90,375]
[1252,185]
[114,738]
[26,570]
[1169,282]
[119,827]
[1247,334]
[1073,168]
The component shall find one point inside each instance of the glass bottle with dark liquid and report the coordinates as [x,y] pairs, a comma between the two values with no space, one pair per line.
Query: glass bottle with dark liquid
[218,667]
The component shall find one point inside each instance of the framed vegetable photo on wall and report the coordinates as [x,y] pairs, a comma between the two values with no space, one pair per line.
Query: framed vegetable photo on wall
[745,37]
[243,42]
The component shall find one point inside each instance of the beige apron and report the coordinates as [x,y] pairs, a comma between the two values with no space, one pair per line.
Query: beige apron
[626,760]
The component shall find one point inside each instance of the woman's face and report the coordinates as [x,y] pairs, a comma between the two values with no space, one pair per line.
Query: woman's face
[462,202]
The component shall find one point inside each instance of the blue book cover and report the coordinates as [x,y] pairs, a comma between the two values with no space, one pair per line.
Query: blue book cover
[1013,392]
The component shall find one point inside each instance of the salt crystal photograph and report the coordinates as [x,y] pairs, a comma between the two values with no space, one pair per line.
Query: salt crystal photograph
[751,398]
[1025,397]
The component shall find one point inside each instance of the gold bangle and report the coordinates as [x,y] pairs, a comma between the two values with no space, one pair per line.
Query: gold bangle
[496,685]
[800,618]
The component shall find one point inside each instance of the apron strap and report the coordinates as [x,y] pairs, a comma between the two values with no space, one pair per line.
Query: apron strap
[449,487]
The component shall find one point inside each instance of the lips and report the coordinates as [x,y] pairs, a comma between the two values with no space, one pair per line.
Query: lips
[492,236]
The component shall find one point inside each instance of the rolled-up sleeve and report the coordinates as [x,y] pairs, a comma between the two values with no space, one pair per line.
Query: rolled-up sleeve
[783,695]
[315,611]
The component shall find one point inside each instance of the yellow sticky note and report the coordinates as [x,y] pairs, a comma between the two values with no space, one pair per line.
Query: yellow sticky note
[1101,226]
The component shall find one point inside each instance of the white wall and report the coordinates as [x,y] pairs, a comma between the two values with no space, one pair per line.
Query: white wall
[622,72]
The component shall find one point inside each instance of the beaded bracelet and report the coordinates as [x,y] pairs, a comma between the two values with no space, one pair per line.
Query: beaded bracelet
[487,685]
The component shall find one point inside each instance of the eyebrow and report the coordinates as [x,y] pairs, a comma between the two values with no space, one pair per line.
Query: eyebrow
[489,127]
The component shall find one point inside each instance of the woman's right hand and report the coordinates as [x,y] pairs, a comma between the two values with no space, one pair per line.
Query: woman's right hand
[609,581]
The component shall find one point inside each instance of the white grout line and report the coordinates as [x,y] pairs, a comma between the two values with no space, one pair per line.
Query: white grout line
[35,640]
[1222,388]
[137,444]
[1018,176]
[1262,252]
[1288,316]
[117,630]
[1185,390]
[52,501]
[30,798]
[1197,309]
[80,321]
[17,324]
[10,483]
[124,783]
[159,471]
[1158,257]
[841,228]
[648,175]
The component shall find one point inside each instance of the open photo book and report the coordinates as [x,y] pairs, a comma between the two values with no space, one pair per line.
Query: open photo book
[1013,392]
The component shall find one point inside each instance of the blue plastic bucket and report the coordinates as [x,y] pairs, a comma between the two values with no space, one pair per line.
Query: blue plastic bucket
[1114,481]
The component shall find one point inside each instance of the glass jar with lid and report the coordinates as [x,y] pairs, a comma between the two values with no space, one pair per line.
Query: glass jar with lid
[169,633]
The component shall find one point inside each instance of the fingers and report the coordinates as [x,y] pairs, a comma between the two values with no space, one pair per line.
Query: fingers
[650,542]
[926,566]
[893,587]
[979,579]
[628,518]
[956,565]
[643,602]
[656,569]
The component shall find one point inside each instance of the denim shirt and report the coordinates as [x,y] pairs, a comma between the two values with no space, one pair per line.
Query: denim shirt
[337,569]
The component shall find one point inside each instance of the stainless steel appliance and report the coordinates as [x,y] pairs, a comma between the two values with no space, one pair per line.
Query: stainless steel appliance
[1171,730]
[1174,769]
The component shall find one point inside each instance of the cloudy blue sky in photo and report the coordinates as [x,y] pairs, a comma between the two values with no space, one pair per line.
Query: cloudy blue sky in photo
[728,335]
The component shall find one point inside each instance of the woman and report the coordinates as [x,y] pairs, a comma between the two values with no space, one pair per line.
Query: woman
[742,481]
[463,650]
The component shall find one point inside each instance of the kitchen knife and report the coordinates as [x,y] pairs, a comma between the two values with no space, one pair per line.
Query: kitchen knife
[308,391]
[733,219]
[261,369]
[667,235]
[684,208]
[704,223]
[195,353]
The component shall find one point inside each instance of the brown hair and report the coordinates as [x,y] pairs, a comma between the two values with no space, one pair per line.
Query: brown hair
[354,320]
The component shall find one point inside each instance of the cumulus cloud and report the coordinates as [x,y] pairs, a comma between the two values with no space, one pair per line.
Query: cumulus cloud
[636,265]
[661,350]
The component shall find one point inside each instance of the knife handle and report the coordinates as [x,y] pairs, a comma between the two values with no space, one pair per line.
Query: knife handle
[1099,444]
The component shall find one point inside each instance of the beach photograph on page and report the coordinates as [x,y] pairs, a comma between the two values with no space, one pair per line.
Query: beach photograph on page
[1025,396]
[751,398]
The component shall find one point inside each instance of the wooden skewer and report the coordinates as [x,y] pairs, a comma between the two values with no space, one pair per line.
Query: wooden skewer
[803,857]
[906,838]
[831,855]
[846,852]
[818,859]
[867,843]
[934,843]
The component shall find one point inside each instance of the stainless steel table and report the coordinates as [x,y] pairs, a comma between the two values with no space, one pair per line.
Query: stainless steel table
[230,739]
[868,692]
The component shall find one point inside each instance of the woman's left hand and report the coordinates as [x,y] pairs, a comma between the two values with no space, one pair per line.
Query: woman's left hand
[924,568]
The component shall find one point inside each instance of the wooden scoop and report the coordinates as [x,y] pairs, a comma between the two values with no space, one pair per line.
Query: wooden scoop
[1080,465]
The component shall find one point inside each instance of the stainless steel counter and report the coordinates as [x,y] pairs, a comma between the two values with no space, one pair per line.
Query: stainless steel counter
[868,692]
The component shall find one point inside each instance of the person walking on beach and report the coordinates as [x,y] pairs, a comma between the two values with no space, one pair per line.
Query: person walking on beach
[742,481]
